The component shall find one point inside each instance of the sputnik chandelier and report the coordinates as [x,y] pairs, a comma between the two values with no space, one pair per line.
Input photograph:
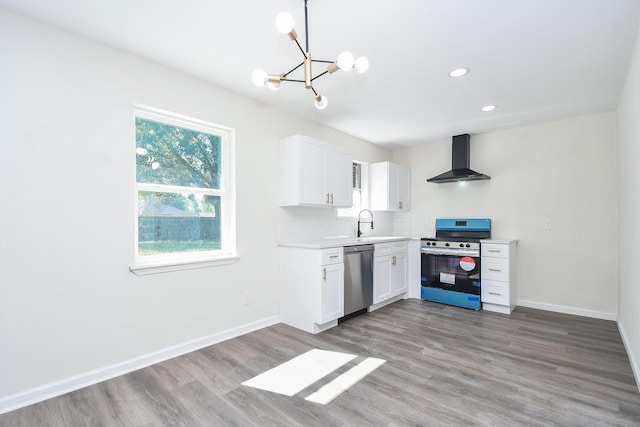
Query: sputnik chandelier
[345,61]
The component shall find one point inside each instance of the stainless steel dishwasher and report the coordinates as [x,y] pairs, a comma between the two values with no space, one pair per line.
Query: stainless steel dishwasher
[358,280]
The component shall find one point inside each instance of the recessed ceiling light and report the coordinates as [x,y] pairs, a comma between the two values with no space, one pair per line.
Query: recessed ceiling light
[488,108]
[458,72]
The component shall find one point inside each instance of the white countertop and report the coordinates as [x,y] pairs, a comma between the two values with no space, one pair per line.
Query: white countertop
[498,241]
[334,242]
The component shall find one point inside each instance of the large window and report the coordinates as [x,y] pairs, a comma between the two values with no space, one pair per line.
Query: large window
[184,189]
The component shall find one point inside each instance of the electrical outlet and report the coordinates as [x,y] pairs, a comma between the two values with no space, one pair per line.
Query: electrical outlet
[546,223]
[246,298]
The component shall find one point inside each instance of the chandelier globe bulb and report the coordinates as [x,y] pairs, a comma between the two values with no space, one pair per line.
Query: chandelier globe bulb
[259,77]
[361,65]
[273,86]
[345,61]
[321,102]
[284,22]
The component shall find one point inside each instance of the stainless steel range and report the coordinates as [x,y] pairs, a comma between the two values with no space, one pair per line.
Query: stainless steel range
[450,262]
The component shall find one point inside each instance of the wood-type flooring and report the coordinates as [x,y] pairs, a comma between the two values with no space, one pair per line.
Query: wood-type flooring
[446,366]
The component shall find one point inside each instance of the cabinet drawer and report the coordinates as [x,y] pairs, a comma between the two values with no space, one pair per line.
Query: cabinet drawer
[495,269]
[494,250]
[382,249]
[495,292]
[399,246]
[331,256]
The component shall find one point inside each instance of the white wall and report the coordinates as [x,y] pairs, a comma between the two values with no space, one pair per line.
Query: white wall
[68,303]
[564,171]
[629,211]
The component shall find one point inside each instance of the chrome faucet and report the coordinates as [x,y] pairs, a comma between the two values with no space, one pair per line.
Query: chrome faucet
[365,222]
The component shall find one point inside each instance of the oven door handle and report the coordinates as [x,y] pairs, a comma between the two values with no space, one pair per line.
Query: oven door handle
[475,254]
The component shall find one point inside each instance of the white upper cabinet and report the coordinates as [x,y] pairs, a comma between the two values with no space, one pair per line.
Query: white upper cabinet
[390,187]
[313,173]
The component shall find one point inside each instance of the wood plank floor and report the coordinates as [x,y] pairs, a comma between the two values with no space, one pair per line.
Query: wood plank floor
[445,366]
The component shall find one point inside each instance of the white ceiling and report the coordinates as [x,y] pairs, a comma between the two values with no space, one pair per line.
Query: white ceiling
[537,60]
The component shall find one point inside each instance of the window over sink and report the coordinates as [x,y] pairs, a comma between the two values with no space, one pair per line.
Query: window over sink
[360,190]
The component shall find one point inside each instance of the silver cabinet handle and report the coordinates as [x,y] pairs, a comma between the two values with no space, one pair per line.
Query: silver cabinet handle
[324,274]
[400,205]
[494,293]
[331,198]
[497,251]
[334,256]
[328,198]
[494,269]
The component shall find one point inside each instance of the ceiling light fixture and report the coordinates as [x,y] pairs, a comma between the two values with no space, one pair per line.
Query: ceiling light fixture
[345,62]
[458,72]
[487,108]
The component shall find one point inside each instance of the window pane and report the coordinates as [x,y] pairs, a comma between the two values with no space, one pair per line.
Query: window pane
[171,155]
[178,222]
[357,176]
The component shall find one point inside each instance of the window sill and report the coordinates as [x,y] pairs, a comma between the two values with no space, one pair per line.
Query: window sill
[166,267]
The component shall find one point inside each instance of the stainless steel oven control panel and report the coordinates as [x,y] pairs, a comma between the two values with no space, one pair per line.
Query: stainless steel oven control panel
[444,247]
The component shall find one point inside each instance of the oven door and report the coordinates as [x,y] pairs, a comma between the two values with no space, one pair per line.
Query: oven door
[451,272]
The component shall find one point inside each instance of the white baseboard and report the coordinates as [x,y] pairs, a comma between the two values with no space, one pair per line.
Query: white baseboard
[75,382]
[635,362]
[568,310]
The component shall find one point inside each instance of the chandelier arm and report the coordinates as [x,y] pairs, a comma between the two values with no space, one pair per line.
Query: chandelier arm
[300,47]
[292,80]
[319,75]
[324,62]
[293,69]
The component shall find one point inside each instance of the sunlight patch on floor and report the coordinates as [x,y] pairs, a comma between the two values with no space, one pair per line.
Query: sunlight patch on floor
[300,372]
[328,392]
[305,370]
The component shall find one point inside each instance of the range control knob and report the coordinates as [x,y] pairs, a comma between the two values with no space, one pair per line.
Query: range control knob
[468,245]
[462,245]
[446,244]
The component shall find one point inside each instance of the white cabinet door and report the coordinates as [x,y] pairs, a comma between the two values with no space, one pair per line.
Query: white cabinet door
[311,172]
[338,178]
[331,293]
[398,273]
[404,188]
[393,202]
[381,278]
[389,270]
[389,187]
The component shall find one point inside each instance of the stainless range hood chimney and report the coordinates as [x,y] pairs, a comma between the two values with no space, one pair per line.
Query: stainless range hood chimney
[460,155]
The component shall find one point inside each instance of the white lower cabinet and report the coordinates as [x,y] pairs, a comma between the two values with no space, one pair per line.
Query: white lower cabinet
[498,292]
[389,270]
[331,293]
[312,288]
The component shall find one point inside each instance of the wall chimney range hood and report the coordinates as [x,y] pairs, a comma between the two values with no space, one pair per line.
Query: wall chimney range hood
[460,171]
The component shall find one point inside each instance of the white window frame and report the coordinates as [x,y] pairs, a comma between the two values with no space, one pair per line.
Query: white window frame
[227,254]
[353,211]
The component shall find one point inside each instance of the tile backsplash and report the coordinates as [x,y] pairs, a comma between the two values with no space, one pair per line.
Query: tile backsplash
[310,223]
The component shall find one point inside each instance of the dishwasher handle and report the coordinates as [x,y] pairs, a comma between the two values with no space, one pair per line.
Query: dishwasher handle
[358,248]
